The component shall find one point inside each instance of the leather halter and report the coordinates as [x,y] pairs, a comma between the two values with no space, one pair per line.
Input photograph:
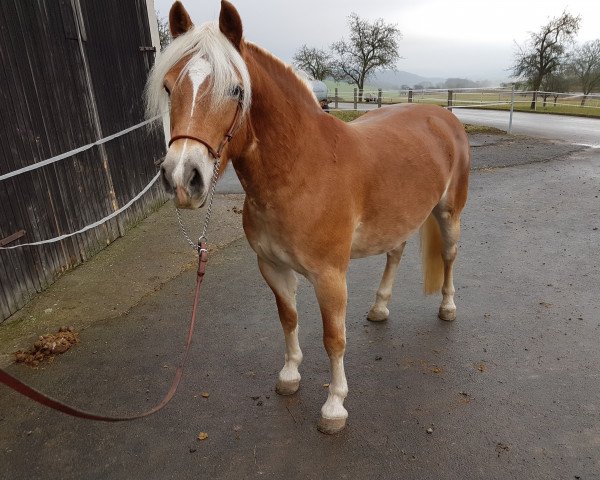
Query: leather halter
[216,154]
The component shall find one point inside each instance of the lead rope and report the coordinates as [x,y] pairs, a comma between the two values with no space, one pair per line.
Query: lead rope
[42,398]
[202,250]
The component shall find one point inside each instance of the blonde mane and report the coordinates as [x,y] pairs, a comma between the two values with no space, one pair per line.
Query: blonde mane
[298,81]
[207,42]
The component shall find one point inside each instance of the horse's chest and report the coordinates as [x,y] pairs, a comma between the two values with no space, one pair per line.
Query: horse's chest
[269,247]
[267,240]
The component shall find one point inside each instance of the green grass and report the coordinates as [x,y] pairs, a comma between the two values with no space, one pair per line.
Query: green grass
[349,115]
[470,128]
[566,105]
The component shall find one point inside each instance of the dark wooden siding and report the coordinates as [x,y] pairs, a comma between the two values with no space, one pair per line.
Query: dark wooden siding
[47,107]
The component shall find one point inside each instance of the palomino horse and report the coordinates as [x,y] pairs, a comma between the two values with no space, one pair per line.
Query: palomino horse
[318,191]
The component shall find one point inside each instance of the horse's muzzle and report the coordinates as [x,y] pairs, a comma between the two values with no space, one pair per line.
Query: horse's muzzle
[186,181]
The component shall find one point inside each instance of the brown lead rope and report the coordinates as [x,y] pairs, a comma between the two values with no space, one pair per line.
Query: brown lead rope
[39,397]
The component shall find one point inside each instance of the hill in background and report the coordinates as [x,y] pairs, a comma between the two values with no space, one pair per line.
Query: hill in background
[401,80]
[390,79]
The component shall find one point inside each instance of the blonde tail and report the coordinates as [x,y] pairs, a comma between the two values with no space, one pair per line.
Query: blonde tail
[431,256]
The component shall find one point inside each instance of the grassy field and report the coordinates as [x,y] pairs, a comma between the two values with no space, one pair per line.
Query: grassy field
[349,115]
[566,104]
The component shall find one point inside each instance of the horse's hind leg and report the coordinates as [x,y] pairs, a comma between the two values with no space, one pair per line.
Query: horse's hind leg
[379,310]
[449,223]
[283,282]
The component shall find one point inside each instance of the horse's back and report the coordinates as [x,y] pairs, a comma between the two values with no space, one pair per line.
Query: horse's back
[412,139]
[410,122]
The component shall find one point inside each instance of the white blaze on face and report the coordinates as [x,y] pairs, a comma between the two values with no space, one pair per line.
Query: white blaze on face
[198,70]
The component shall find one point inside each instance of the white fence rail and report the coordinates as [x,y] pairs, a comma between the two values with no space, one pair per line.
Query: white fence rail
[468,97]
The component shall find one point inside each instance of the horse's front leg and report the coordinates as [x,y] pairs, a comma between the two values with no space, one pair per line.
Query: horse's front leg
[332,296]
[283,282]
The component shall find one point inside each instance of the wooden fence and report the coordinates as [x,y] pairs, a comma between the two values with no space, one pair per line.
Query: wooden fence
[73,71]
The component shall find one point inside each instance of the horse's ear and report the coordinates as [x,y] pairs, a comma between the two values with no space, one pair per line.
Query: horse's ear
[230,23]
[179,20]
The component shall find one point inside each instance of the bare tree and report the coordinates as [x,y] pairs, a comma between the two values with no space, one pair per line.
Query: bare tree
[545,51]
[584,64]
[372,46]
[315,62]
[555,83]
[164,34]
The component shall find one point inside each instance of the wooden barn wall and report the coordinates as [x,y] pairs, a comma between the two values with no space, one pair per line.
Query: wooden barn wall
[47,107]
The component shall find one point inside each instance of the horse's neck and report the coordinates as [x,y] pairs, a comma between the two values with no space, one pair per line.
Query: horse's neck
[284,115]
[277,89]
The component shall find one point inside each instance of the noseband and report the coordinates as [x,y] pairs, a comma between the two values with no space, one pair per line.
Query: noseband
[216,154]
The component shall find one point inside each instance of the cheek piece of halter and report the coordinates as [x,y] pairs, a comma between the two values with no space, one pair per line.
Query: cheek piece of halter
[216,154]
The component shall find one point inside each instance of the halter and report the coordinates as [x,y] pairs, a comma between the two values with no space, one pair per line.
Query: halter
[216,154]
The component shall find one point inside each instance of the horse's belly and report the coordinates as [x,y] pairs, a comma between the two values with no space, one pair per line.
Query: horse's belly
[367,242]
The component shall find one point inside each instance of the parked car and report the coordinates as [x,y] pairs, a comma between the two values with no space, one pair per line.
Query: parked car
[317,86]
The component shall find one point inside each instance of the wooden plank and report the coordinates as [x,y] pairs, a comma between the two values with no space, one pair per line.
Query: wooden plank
[11,238]
[68,131]
[39,44]
[20,153]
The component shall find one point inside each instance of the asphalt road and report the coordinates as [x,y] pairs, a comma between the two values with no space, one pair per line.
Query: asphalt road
[576,130]
[510,390]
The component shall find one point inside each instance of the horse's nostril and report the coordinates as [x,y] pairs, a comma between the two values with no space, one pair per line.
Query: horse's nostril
[196,182]
[165,181]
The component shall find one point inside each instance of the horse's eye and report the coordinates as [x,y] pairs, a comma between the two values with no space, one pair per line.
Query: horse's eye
[167,90]
[237,92]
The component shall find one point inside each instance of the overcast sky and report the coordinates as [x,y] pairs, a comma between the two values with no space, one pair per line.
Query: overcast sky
[440,38]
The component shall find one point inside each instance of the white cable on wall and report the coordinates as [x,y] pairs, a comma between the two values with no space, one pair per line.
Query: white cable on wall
[70,153]
[93,225]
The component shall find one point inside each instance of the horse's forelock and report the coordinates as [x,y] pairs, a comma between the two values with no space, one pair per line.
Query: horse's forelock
[206,41]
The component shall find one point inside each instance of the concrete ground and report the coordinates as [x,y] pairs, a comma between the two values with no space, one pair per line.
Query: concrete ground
[510,390]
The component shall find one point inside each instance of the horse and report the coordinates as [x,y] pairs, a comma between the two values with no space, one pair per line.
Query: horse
[319,192]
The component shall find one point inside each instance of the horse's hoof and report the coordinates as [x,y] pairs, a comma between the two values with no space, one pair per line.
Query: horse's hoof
[330,426]
[287,388]
[447,314]
[378,314]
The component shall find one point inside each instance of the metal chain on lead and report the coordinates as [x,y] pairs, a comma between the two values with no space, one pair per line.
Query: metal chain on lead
[184,231]
[211,194]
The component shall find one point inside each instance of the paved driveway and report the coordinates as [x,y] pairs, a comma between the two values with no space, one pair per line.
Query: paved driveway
[510,389]
[577,130]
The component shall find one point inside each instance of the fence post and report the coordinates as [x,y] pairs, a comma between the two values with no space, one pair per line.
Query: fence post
[450,100]
[512,107]
[379,98]
[355,99]
[410,94]
[336,98]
